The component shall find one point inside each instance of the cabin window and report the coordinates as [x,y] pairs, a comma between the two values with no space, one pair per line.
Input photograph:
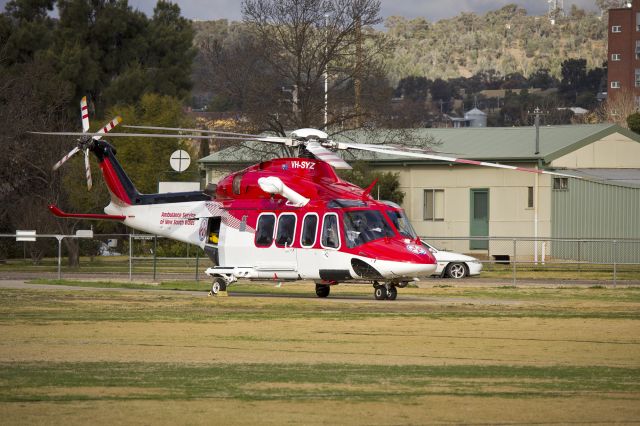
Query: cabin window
[363,226]
[434,204]
[264,230]
[330,234]
[309,230]
[286,230]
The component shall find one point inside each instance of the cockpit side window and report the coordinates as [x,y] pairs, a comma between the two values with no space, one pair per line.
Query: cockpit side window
[363,226]
[330,234]
[264,229]
[286,230]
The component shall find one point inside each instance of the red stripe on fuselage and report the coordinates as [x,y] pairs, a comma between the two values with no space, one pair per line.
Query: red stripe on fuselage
[113,182]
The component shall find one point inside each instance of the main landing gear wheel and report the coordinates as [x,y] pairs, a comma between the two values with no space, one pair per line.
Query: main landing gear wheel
[380,292]
[322,290]
[456,270]
[392,293]
[219,284]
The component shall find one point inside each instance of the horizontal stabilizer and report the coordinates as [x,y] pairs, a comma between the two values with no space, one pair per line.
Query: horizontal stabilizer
[59,213]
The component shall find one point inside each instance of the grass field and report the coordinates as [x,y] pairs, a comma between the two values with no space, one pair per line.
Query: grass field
[436,355]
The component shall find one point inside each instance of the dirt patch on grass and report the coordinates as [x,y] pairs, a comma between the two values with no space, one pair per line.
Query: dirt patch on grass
[427,410]
[415,341]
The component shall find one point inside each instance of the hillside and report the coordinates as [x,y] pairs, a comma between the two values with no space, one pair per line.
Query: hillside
[506,40]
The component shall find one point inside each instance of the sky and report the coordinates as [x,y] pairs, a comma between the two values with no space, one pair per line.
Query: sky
[432,10]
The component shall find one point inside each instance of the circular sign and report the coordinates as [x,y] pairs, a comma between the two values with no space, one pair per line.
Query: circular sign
[180,160]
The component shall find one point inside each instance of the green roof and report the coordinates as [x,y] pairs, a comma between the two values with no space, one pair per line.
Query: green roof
[515,144]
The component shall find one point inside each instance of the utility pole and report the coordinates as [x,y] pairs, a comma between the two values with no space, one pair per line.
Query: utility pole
[356,82]
[537,113]
[326,71]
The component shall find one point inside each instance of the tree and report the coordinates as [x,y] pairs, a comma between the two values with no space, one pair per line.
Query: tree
[414,88]
[574,77]
[633,121]
[542,79]
[387,186]
[441,93]
[284,54]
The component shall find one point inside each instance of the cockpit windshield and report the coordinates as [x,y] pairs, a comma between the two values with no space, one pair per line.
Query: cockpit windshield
[402,224]
[363,226]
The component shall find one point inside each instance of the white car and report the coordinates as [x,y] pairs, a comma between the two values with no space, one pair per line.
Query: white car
[454,265]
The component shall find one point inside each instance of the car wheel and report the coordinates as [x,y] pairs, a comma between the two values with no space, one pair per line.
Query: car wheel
[456,270]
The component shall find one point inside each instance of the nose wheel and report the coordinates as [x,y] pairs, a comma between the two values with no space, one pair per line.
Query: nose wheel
[386,291]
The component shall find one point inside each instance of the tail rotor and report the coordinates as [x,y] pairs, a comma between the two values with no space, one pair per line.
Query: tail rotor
[85,142]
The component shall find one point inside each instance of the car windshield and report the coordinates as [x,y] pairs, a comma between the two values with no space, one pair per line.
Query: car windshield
[402,224]
[363,226]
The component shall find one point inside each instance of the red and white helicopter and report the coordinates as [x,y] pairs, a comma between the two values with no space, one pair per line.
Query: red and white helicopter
[284,219]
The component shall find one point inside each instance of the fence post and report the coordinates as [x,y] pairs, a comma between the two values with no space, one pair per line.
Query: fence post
[130,258]
[514,261]
[197,265]
[59,238]
[579,255]
[155,256]
[615,257]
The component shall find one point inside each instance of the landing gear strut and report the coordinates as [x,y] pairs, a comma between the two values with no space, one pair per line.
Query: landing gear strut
[386,291]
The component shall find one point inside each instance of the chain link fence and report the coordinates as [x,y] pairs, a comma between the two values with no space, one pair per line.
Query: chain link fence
[144,256]
[550,258]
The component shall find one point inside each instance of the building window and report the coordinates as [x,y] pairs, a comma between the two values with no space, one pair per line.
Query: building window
[434,204]
[561,183]
[615,84]
[530,197]
[637,21]
[616,29]
[637,104]
[615,57]
[637,49]
[637,81]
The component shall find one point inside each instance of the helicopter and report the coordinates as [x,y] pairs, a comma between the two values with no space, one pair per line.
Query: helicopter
[283,219]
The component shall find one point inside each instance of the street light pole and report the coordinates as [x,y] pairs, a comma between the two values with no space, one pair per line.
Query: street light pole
[326,71]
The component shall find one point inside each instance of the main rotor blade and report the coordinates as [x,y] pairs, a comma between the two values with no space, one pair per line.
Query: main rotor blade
[181,129]
[412,153]
[142,135]
[87,168]
[322,153]
[65,158]
[84,113]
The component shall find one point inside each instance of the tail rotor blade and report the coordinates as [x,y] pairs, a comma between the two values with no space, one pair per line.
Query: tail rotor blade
[84,113]
[87,168]
[108,127]
[65,158]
